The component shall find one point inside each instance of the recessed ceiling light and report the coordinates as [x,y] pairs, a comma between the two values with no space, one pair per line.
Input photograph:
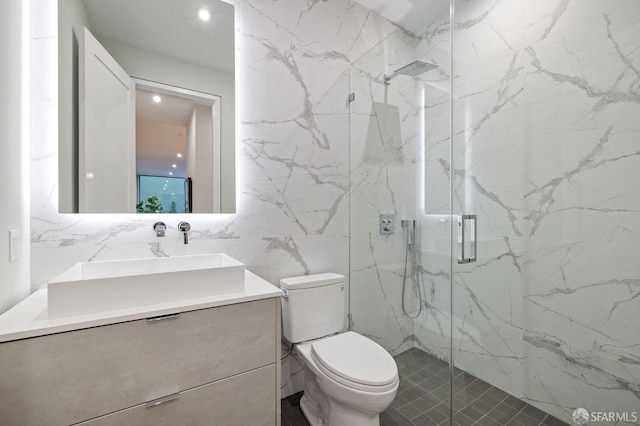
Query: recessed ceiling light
[179,155]
[157,99]
[174,166]
[204,15]
[170,173]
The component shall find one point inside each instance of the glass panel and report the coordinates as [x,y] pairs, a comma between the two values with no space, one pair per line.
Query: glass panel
[383,140]
[400,245]
[546,123]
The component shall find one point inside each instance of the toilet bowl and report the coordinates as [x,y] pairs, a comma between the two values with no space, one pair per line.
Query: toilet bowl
[349,379]
[357,377]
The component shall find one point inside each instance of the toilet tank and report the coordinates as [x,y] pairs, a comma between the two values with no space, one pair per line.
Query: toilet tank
[313,306]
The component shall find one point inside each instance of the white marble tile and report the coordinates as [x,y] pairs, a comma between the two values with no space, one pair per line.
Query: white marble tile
[486,32]
[304,255]
[490,351]
[545,154]
[432,333]
[578,379]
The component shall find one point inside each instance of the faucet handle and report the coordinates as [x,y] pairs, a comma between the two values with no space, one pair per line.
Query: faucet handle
[159,227]
[184,227]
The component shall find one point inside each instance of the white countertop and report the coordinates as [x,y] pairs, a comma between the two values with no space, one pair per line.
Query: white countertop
[29,318]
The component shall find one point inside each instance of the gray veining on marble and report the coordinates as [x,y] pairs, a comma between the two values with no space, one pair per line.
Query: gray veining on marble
[546,154]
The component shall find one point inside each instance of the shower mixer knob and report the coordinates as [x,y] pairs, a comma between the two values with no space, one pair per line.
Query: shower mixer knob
[387,223]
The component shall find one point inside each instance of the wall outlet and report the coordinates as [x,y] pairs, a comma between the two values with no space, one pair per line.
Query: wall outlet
[14,244]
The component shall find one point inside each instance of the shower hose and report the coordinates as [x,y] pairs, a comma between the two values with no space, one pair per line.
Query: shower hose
[409,250]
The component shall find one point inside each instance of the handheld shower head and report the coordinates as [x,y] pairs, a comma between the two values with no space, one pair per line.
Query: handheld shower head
[411,231]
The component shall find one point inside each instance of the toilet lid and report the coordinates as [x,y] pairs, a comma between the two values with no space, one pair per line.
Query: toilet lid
[355,358]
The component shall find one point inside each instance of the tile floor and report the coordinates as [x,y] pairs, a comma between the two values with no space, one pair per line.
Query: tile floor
[423,395]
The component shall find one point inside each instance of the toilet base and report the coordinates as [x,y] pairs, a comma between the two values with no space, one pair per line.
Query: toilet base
[322,410]
[339,415]
[313,403]
[311,412]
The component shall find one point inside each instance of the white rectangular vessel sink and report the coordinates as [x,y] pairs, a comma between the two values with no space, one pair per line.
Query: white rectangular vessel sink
[91,287]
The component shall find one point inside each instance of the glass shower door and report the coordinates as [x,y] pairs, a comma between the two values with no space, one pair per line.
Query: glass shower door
[546,123]
[400,278]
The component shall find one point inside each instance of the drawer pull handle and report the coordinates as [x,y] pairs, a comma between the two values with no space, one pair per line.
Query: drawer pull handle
[163,317]
[164,399]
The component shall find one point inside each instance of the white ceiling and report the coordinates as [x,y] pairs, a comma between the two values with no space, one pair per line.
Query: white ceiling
[157,149]
[169,28]
[414,15]
[161,132]
[172,109]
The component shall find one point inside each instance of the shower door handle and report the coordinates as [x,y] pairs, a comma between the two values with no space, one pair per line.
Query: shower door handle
[470,253]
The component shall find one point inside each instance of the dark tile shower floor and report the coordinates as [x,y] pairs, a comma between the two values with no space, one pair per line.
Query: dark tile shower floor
[423,395]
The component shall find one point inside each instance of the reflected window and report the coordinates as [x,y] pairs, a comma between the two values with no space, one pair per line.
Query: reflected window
[159,194]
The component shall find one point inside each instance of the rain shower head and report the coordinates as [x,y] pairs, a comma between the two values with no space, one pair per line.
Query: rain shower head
[413,69]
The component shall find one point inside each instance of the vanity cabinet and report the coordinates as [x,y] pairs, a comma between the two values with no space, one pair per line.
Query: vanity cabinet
[216,366]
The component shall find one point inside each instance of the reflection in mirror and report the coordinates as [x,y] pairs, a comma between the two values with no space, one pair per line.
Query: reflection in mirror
[169,52]
[174,130]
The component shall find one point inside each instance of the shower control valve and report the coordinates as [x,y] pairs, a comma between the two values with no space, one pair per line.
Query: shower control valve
[387,223]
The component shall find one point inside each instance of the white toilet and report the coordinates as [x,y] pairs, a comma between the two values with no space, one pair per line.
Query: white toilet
[349,379]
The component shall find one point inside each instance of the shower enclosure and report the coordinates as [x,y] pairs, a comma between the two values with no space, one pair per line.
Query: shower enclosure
[530,121]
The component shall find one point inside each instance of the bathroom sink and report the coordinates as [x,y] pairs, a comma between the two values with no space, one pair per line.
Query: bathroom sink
[104,286]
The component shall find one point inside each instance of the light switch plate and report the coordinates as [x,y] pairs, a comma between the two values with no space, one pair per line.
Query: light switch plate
[14,244]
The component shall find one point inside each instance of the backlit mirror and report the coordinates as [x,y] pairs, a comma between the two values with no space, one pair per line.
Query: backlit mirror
[146,106]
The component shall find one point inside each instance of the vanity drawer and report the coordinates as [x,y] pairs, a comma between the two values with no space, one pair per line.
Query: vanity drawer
[242,400]
[71,377]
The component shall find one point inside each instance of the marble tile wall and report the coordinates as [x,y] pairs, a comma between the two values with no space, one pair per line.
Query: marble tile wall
[545,153]
[292,215]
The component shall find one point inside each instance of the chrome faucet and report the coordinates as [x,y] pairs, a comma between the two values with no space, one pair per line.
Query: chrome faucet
[159,227]
[184,227]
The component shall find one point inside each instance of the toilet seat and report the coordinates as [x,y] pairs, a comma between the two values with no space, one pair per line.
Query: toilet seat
[355,361]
